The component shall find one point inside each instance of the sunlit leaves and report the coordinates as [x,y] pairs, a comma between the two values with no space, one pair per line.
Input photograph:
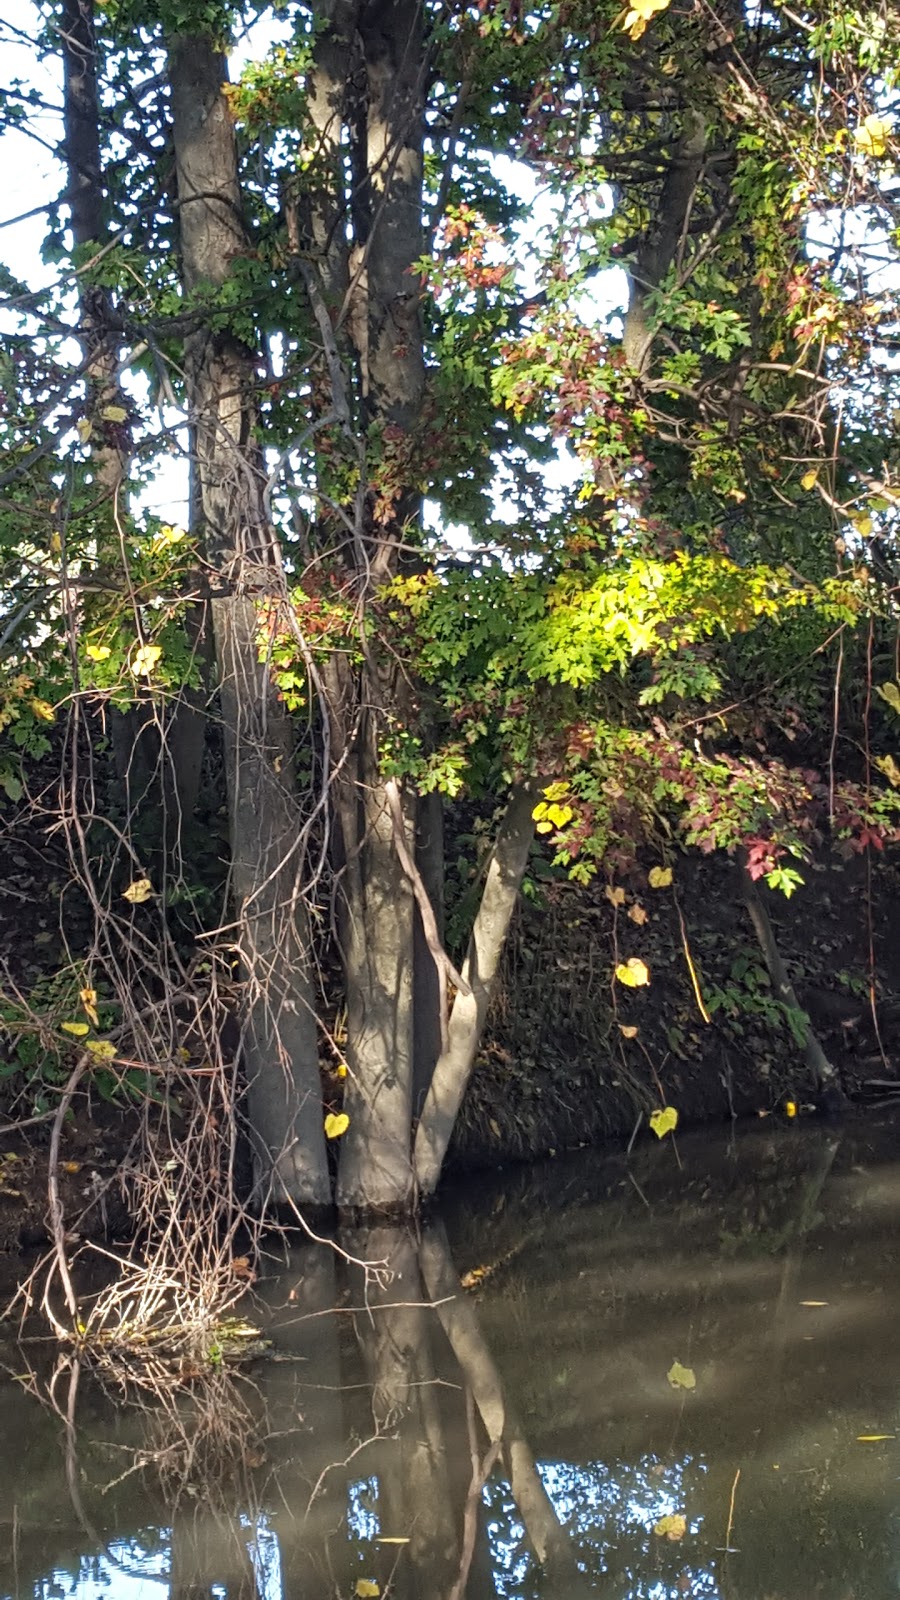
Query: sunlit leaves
[138,892]
[633,973]
[145,659]
[634,21]
[78,1030]
[871,137]
[336,1123]
[664,1121]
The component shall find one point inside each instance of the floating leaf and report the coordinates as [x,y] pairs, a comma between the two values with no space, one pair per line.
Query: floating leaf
[664,1121]
[891,693]
[814,1302]
[98,652]
[88,998]
[615,896]
[43,711]
[138,892]
[673,1527]
[659,877]
[76,1029]
[84,428]
[336,1123]
[681,1377]
[871,136]
[387,1538]
[366,1589]
[633,973]
[637,914]
[101,1049]
[628,1030]
[114,414]
[145,660]
[873,1438]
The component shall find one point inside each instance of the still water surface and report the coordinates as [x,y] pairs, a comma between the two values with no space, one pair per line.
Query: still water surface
[357,1459]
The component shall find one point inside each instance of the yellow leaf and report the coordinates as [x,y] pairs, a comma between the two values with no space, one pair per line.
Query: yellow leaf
[873,1438]
[616,897]
[664,1121]
[659,877]
[114,414]
[43,711]
[101,1049]
[673,1527]
[809,479]
[76,1029]
[633,973]
[544,827]
[366,1589]
[341,1070]
[890,769]
[628,1030]
[145,660]
[634,21]
[98,652]
[88,998]
[681,1377]
[388,1538]
[84,428]
[138,892]
[790,1108]
[871,136]
[638,915]
[70,1166]
[336,1123]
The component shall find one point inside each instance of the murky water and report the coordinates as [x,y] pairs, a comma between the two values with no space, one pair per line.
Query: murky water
[526,1435]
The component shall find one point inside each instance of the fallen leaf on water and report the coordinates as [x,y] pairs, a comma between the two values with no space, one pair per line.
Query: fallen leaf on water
[673,1527]
[873,1438]
[664,1121]
[386,1538]
[814,1302]
[366,1589]
[681,1377]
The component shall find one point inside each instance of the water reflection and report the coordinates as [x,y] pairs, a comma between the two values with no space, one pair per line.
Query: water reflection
[520,1439]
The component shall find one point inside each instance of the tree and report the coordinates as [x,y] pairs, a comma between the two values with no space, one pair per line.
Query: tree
[327,276]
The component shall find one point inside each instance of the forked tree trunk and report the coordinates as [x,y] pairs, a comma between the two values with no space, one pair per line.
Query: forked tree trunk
[279,1033]
[467,1017]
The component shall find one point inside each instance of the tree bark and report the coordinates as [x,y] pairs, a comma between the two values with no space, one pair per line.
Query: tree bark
[279,1036]
[467,1017]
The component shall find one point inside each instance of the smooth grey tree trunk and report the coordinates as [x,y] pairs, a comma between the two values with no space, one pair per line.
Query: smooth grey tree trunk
[468,1014]
[279,1033]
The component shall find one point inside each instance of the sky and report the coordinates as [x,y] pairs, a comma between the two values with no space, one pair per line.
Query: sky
[33,177]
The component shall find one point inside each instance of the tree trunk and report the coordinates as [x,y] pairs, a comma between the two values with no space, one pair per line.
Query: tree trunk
[467,1018]
[279,1035]
[824,1075]
[427,990]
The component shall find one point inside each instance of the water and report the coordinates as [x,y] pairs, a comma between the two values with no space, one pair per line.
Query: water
[359,1461]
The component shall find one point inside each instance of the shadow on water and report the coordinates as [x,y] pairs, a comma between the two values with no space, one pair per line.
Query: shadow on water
[518,1437]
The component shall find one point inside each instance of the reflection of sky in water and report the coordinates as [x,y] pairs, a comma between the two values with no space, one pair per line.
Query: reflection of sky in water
[609,1511]
[128,1570]
[611,1515]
